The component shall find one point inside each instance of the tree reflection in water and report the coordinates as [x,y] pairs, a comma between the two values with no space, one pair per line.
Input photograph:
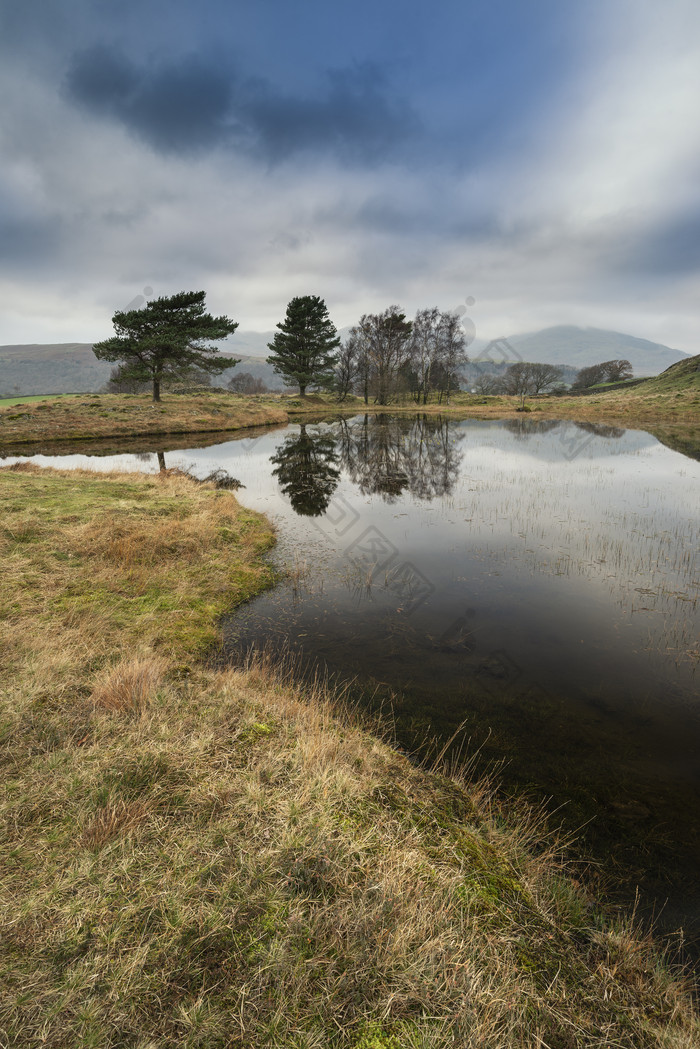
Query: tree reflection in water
[383,455]
[523,428]
[388,455]
[307,471]
[602,430]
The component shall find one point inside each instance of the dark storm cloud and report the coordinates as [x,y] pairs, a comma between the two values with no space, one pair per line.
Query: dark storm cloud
[189,105]
[356,116]
[517,152]
[178,107]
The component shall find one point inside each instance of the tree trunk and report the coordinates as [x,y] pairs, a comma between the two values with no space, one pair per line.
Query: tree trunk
[161,461]
[156,390]
[302,390]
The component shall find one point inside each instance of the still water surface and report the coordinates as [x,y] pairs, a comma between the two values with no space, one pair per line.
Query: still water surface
[534,581]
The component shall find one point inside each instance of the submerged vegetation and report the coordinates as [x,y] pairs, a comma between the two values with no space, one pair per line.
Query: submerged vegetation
[203,857]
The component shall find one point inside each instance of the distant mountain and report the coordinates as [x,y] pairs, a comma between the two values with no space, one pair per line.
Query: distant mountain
[255,366]
[580,347]
[250,343]
[71,367]
[67,367]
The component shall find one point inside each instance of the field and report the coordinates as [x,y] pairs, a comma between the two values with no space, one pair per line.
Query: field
[196,856]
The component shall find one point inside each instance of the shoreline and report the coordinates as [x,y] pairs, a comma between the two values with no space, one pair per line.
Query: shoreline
[184,843]
[667,400]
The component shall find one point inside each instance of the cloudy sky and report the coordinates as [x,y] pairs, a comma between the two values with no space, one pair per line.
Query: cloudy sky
[541,157]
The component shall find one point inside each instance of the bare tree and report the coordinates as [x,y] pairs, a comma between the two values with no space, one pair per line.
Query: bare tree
[451,353]
[363,371]
[487,383]
[347,365]
[544,377]
[385,342]
[525,379]
[608,371]
[517,380]
[424,349]
[247,383]
[589,376]
[618,370]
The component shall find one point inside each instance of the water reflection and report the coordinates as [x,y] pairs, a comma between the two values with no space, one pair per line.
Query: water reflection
[383,455]
[535,579]
[530,579]
[306,466]
[388,455]
[523,426]
[602,430]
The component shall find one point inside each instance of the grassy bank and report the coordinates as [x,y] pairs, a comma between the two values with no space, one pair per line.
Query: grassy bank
[206,858]
[672,397]
[89,416]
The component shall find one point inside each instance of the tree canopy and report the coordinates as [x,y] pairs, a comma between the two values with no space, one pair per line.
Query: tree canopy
[166,338]
[387,355]
[617,370]
[384,341]
[524,379]
[303,350]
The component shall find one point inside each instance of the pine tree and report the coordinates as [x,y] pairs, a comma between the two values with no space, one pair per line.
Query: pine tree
[302,349]
[166,339]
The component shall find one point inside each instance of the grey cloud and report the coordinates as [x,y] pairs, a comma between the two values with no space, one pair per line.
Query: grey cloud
[190,105]
[356,117]
[438,213]
[28,242]
[175,108]
[671,249]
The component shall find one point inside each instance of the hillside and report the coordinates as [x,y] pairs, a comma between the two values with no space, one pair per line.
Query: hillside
[580,347]
[668,405]
[72,367]
[684,375]
[68,367]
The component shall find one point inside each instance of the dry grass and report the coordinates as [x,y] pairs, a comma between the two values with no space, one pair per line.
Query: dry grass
[204,858]
[87,416]
[130,685]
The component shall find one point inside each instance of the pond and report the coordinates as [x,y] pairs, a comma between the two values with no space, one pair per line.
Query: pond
[531,585]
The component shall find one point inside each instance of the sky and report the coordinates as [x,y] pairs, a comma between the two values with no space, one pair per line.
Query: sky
[537,160]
